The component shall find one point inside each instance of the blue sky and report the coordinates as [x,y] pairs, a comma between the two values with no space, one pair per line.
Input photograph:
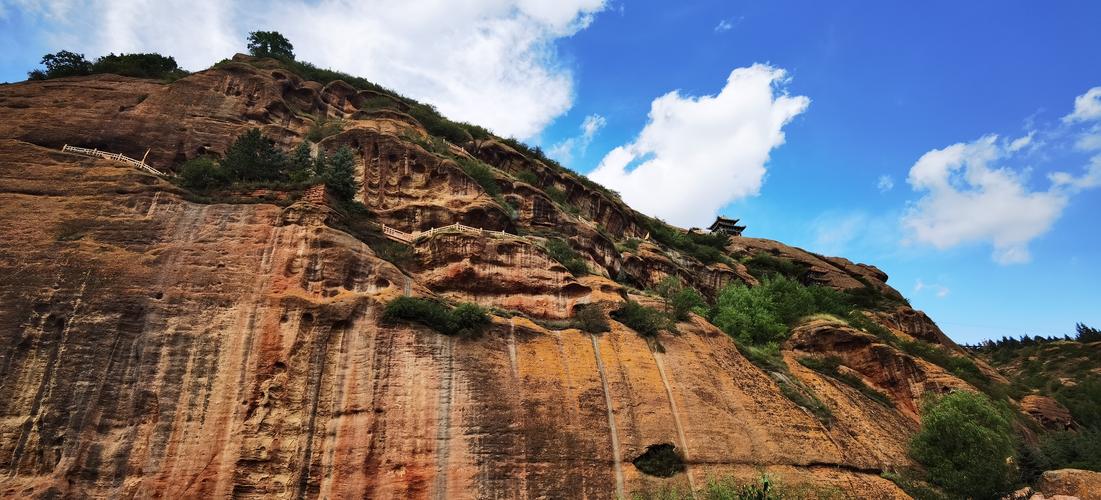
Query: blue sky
[844,100]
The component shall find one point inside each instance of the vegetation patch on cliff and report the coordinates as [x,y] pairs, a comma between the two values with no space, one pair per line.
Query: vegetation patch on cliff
[831,367]
[464,320]
[645,320]
[561,251]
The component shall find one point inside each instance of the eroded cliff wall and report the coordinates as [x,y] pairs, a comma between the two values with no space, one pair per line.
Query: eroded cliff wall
[156,347]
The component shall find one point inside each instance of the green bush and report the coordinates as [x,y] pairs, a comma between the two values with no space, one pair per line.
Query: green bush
[439,126]
[324,127]
[147,65]
[465,319]
[340,174]
[763,265]
[60,64]
[706,248]
[964,444]
[300,165]
[729,488]
[482,174]
[253,157]
[557,195]
[202,174]
[679,299]
[748,315]
[470,319]
[647,321]
[561,251]
[590,319]
[529,177]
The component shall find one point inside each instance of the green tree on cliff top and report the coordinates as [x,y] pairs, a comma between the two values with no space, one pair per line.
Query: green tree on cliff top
[270,44]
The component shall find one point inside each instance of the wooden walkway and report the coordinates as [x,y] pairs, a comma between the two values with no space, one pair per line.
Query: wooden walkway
[408,238]
[139,164]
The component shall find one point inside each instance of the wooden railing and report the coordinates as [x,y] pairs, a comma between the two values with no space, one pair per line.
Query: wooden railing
[394,234]
[461,228]
[404,237]
[113,156]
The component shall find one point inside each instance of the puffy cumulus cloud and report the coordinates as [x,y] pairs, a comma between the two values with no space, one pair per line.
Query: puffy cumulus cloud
[697,154]
[564,151]
[968,198]
[1086,106]
[969,195]
[486,61]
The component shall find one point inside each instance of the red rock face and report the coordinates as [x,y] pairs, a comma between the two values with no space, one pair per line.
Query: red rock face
[159,347]
[155,347]
[905,378]
[1048,412]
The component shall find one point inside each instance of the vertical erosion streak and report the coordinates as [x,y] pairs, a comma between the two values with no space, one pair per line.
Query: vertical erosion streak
[443,420]
[512,349]
[658,360]
[314,381]
[617,461]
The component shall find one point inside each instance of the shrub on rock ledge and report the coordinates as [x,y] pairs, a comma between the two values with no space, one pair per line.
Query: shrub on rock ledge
[466,320]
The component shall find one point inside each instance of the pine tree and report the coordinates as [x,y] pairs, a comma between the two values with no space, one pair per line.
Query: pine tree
[300,166]
[340,174]
[320,164]
[253,157]
[1087,334]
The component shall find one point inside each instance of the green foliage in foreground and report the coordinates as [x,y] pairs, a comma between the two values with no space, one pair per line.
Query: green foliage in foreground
[465,320]
[728,488]
[964,444]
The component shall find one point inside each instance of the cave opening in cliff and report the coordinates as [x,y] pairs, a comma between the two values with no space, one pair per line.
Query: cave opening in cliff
[661,460]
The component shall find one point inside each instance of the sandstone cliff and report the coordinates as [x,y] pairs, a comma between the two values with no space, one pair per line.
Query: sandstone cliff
[154,346]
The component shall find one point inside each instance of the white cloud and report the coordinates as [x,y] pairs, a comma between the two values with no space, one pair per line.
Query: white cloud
[1089,140]
[728,24]
[968,199]
[885,183]
[564,151]
[940,291]
[696,154]
[970,195]
[1086,106]
[1090,179]
[490,62]
[1021,142]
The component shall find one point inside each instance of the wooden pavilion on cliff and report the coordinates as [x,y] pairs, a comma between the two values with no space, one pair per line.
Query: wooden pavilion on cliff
[727,226]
